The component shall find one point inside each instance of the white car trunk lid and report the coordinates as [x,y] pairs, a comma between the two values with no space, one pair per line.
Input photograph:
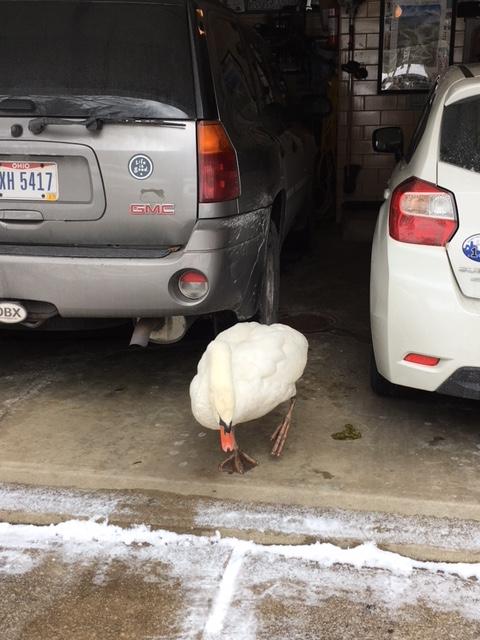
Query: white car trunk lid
[459,172]
[464,248]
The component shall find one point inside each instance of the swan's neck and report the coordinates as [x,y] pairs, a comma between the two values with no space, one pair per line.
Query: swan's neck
[221,381]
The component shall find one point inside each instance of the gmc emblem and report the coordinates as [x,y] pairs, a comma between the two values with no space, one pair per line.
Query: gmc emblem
[151,209]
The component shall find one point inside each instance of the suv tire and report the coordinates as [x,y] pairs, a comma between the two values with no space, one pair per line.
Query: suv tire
[302,235]
[269,299]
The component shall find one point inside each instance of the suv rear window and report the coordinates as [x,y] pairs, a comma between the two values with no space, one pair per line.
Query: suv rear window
[460,137]
[133,58]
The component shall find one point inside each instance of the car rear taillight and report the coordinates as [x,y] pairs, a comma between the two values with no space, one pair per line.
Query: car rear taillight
[193,285]
[422,213]
[217,164]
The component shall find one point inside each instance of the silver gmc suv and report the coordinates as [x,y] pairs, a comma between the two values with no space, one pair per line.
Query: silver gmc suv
[147,170]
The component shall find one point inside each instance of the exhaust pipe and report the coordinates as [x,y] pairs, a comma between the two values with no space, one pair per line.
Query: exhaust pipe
[159,330]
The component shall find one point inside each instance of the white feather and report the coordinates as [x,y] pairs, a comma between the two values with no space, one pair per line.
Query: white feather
[265,363]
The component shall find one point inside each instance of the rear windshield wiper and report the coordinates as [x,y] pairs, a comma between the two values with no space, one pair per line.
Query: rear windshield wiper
[94,123]
[37,125]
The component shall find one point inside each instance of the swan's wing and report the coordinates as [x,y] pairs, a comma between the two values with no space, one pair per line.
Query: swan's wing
[266,368]
[271,352]
[294,346]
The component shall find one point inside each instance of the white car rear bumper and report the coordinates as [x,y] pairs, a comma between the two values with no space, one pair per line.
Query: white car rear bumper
[417,307]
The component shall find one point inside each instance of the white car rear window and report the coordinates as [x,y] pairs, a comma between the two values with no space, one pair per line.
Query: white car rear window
[460,135]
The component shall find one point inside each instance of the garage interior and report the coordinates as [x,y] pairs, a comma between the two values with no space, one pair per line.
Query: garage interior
[83,410]
[92,429]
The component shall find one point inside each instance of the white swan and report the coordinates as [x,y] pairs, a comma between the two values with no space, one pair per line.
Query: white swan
[244,374]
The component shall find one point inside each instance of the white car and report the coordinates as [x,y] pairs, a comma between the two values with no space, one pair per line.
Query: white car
[425,275]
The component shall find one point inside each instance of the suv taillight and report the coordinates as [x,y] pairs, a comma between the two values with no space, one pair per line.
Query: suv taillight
[422,213]
[193,285]
[217,164]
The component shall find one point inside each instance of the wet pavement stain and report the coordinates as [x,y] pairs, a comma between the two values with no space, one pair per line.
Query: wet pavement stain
[310,322]
[349,432]
[436,440]
[325,474]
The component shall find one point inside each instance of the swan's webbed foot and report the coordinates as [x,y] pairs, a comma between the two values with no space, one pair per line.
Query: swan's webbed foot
[237,462]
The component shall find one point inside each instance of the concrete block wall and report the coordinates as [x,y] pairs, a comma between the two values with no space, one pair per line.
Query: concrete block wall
[371,110]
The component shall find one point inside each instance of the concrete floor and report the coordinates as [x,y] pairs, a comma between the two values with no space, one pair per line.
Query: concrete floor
[82,410]
[70,586]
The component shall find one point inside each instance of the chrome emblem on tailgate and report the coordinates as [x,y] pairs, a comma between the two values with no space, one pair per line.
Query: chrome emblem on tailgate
[12,312]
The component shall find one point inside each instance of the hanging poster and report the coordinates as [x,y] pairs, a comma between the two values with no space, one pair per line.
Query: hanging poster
[415,43]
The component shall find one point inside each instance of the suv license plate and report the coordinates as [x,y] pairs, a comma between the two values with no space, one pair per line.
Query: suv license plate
[29,181]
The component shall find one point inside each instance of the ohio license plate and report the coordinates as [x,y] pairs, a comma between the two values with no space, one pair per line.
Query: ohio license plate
[28,181]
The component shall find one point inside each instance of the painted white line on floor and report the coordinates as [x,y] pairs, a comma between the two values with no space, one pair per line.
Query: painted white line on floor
[225,593]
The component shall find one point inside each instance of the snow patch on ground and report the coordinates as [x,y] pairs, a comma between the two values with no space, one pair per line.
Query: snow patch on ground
[15,562]
[225,581]
[57,501]
[338,524]
[90,538]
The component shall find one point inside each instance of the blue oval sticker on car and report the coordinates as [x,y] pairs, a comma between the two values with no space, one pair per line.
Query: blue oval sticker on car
[471,247]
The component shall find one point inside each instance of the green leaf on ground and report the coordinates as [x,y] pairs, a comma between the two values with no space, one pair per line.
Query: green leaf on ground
[349,432]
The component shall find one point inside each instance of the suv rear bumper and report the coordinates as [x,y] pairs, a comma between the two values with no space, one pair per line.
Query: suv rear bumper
[229,251]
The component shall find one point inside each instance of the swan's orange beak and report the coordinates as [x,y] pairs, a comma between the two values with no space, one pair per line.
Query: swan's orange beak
[227,437]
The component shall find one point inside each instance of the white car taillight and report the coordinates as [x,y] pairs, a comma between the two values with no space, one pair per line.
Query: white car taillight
[422,213]
[193,285]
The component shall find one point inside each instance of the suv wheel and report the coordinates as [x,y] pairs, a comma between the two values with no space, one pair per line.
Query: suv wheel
[269,299]
[380,385]
[222,320]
